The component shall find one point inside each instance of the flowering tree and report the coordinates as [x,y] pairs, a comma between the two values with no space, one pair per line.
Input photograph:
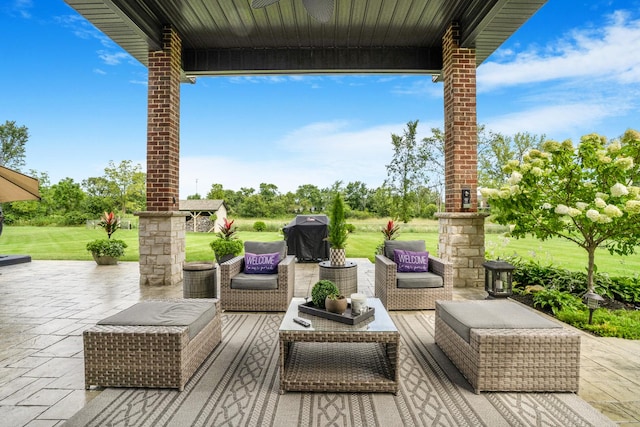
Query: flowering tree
[588,195]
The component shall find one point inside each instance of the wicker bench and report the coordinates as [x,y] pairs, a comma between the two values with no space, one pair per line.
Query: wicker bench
[502,346]
[156,344]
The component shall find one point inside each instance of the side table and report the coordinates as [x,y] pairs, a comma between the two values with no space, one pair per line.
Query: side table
[344,276]
[199,280]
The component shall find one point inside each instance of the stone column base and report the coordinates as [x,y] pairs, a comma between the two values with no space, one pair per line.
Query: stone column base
[461,242]
[162,240]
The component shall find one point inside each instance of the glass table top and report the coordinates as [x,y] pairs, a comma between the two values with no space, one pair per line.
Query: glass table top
[379,322]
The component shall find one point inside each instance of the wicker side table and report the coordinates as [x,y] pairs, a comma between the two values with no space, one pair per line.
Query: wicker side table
[200,280]
[344,276]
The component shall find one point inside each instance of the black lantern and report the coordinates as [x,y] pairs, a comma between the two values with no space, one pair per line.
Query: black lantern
[497,278]
[592,300]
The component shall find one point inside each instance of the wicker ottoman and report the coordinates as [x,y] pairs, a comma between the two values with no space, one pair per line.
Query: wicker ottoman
[157,344]
[502,346]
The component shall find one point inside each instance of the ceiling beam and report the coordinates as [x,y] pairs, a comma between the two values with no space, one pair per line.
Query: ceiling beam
[307,60]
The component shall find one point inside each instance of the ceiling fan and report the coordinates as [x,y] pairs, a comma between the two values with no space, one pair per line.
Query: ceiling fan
[320,10]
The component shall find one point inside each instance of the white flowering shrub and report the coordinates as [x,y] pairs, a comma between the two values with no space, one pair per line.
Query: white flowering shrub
[587,194]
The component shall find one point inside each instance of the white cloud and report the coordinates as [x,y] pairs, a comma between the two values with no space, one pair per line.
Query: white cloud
[111,58]
[319,154]
[551,120]
[610,53]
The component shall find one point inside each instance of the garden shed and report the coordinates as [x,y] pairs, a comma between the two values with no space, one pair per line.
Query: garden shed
[205,216]
[305,236]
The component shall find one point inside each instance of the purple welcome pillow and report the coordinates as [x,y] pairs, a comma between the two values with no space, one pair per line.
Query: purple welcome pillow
[411,262]
[261,263]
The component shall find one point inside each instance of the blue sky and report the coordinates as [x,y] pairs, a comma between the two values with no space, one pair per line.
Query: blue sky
[572,69]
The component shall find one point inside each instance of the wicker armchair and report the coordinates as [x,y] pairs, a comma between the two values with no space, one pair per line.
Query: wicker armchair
[243,292]
[416,297]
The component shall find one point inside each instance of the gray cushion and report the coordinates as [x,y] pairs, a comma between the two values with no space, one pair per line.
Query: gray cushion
[462,316]
[419,280]
[267,248]
[194,314]
[409,245]
[254,281]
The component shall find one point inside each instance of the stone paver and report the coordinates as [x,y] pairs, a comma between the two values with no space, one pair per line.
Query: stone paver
[45,306]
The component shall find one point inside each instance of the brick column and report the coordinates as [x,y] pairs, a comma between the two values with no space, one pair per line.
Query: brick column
[461,229]
[163,124]
[162,228]
[460,127]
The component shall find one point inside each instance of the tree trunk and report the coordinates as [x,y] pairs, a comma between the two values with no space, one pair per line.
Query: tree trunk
[590,267]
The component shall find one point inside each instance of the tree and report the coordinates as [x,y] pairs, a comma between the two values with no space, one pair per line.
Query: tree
[356,195]
[124,176]
[67,195]
[585,195]
[12,141]
[497,150]
[407,172]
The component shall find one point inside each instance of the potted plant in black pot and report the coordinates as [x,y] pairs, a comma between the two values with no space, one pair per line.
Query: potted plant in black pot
[338,232]
[226,245]
[107,251]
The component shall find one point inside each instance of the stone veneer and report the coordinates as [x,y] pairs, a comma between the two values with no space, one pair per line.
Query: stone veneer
[461,242]
[162,237]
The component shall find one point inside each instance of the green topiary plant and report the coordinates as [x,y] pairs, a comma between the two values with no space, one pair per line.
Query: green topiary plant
[337,226]
[259,226]
[321,290]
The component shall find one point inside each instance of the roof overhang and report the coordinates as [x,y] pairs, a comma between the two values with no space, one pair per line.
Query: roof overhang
[228,37]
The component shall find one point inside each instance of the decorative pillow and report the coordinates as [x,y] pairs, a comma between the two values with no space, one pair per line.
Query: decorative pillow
[261,263]
[411,262]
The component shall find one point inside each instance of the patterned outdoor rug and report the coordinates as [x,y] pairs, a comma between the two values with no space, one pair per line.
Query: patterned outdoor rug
[238,385]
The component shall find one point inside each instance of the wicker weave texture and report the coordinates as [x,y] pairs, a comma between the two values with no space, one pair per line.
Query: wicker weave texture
[147,356]
[257,299]
[339,362]
[345,277]
[395,298]
[533,360]
[200,283]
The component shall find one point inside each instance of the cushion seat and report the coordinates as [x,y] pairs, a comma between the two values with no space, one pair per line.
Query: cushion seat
[498,314]
[254,281]
[193,314]
[419,280]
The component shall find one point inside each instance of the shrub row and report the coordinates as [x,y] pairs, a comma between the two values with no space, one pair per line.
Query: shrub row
[528,273]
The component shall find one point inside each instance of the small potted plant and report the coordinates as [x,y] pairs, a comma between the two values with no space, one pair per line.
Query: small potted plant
[336,303]
[107,251]
[338,232]
[227,245]
[321,290]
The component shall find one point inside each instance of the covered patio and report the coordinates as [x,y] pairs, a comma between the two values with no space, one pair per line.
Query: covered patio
[46,305]
[177,42]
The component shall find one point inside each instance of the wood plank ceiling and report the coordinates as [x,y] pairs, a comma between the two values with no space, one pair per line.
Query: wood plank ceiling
[228,37]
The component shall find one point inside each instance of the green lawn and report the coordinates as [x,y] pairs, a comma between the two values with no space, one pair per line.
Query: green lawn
[68,243]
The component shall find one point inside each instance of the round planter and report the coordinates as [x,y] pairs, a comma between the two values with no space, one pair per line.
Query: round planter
[336,305]
[105,260]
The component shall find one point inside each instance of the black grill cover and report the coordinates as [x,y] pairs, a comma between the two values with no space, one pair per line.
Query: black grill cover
[305,236]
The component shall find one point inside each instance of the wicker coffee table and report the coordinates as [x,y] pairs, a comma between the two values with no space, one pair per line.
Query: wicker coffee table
[331,356]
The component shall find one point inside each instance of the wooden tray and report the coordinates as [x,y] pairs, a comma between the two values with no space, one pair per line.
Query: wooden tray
[346,317]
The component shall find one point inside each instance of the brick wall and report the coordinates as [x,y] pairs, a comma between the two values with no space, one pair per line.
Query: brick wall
[163,124]
[461,139]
